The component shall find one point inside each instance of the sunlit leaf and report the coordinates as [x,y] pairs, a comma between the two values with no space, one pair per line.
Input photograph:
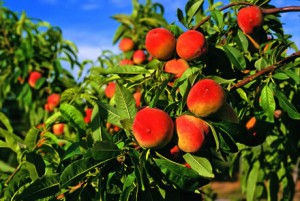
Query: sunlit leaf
[200,164]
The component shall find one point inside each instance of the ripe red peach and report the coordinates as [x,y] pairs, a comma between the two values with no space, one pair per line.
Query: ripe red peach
[176,67]
[152,128]
[191,132]
[126,44]
[249,18]
[139,57]
[110,89]
[33,78]
[205,98]
[137,97]
[58,129]
[126,62]
[160,43]
[88,115]
[191,45]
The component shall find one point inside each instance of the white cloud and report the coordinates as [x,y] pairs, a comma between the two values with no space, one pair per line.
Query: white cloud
[90,6]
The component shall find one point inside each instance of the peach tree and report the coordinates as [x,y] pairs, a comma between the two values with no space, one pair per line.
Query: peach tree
[181,105]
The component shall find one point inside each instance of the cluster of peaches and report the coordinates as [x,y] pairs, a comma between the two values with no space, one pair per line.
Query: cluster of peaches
[153,127]
[53,101]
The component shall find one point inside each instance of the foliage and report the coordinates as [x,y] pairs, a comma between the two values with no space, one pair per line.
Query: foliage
[100,159]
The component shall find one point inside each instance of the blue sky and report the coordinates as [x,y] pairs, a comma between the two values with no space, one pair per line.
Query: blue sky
[88,24]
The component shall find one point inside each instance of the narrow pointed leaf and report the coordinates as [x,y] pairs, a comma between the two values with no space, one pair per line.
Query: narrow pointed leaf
[201,165]
[125,102]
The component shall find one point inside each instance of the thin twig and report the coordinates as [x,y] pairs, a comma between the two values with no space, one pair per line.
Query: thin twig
[265,70]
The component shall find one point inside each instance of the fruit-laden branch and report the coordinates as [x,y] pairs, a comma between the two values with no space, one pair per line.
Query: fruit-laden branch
[223,8]
[266,70]
[264,11]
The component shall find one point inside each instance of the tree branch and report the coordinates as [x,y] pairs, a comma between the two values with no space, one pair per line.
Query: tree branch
[265,70]
[281,10]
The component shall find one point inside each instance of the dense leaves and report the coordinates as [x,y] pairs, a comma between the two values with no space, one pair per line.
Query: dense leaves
[79,144]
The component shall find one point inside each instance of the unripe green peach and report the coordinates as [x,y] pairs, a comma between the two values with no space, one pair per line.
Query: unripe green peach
[249,18]
[191,45]
[160,43]
[152,128]
[126,44]
[205,98]
[191,133]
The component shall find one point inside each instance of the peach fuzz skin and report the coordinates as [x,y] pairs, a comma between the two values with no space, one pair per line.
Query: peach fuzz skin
[249,18]
[139,57]
[126,44]
[191,132]
[33,78]
[110,90]
[160,43]
[58,129]
[176,67]
[205,98]
[152,128]
[191,45]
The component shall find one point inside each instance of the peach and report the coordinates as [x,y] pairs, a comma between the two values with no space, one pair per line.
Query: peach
[126,62]
[205,98]
[176,67]
[88,115]
[160,43]
[152,128]
[139,57]
[137,97]
[191,45]
[126,44]
[249,18]
[191,133]
[58,129]
[110,90]
[227,113]
[33,78]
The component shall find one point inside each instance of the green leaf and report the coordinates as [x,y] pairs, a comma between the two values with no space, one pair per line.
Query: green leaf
[110,113]
[218,18]
[73,116]
[31,137]
[6,168]
[286,105]
[267,102]
[20,178]
[261,63]
[242,40]
[252,181]
[128,186]
[181,176]
[280,76]
[200,164]
[6,122]
[293,75]
[181,18]
[118,34]
[192,10]
[126,69]
[125,103]
[235,57]
[103,150]
[46,186]
[77,170]
[35,165]
[12,140]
